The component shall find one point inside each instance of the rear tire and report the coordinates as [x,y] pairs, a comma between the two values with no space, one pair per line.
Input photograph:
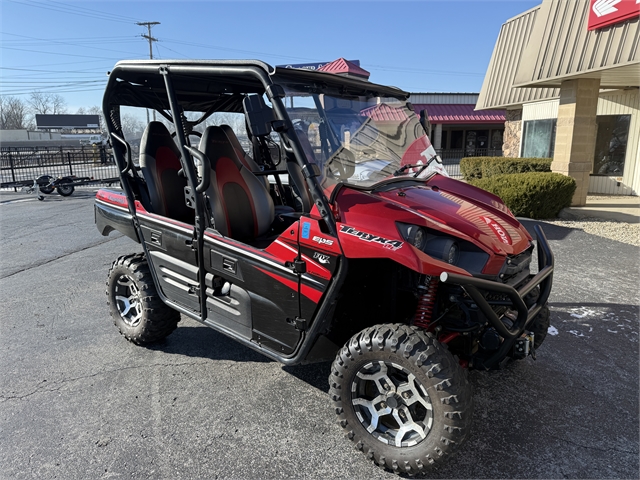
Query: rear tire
[136,308]
[401,397]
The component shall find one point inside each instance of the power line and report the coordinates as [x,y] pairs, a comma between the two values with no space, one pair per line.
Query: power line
[216,47]
[60,64]
[49,71]
[115,15]
[74,90]
[64,43]
[82,12]
[57,53]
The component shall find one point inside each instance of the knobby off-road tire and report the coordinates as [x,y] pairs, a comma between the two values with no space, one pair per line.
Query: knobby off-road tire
[136,308]
[540,326]
[423,380]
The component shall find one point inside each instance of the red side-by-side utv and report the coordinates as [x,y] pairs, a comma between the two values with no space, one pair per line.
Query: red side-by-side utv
[321,225]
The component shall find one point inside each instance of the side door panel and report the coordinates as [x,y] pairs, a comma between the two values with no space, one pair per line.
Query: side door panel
[276,294]
[177,273]
[252,293]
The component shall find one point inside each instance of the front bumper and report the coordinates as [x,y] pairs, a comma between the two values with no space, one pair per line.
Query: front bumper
[544,279]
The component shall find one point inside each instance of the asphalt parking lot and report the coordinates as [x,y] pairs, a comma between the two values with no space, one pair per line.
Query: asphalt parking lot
[78,401]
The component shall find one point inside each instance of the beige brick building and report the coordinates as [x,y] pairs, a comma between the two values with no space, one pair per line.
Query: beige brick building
[568,73]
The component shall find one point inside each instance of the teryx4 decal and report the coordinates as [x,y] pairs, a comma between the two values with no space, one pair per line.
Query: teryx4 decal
[369,237]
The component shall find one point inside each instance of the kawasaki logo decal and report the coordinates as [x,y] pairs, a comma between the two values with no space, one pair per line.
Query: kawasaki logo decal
[369,237]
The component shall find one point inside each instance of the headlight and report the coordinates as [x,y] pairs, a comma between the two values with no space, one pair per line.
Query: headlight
[444,248]
[451,250]
[413,234]
[417,237]
[452,258]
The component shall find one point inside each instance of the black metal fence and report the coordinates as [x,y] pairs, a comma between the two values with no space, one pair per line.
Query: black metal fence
[96,162]
[19,164]
[451,157]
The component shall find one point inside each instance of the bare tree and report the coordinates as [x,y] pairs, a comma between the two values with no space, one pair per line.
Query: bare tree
[58,104]
[132,126]
[13,113]
[235,120]
[96,110]
[81,111]
[47,103]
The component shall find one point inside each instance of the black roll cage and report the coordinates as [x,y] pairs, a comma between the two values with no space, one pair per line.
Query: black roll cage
[255,70]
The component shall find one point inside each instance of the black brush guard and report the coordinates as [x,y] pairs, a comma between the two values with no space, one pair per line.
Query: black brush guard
[544,279]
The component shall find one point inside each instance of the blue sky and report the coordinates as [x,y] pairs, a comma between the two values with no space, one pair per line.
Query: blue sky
[420,46]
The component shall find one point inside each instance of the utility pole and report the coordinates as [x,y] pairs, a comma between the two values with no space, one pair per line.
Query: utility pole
[151,40]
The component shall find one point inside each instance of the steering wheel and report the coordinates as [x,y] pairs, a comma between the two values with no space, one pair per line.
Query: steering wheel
[342,164]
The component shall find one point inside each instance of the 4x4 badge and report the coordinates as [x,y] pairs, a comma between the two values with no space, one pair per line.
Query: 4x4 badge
[370,237]
[322,258]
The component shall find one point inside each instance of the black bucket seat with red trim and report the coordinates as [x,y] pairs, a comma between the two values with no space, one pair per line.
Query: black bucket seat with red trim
[240,204]
[244,157]
[160,163]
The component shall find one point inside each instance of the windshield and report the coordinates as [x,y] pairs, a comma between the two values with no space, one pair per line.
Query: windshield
[360,140]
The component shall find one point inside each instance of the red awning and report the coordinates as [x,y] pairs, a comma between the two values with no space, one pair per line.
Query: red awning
[459,113]
[383,112]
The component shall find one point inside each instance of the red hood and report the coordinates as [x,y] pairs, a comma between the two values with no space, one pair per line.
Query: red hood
[441,204]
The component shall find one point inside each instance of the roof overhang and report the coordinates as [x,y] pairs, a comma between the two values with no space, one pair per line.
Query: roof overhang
[622,76]
[449,114]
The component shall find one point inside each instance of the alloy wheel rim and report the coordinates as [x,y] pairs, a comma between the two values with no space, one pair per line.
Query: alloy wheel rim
[391,404]
[128,300]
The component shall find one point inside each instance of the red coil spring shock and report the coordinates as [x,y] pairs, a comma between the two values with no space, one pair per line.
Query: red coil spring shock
[426,303]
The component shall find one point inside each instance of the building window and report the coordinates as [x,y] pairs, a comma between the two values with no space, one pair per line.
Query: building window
[538,138]
[457,138]
[496,139]
[611,144]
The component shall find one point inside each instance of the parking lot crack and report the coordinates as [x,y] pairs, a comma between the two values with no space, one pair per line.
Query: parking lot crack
[612,449]
[51,260]
[43,387]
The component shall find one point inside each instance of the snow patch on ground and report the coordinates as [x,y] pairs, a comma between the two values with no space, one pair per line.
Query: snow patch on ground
[552,330]
[587,321]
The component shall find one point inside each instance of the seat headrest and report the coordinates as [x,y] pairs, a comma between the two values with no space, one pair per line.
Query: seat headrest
[215,144]
[157,135]
[259,116]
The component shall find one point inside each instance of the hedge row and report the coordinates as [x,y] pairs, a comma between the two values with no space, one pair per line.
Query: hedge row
[483,167]
[533,194]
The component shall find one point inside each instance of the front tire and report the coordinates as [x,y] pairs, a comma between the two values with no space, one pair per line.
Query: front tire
[540,326]
[401,397]
[136,308]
